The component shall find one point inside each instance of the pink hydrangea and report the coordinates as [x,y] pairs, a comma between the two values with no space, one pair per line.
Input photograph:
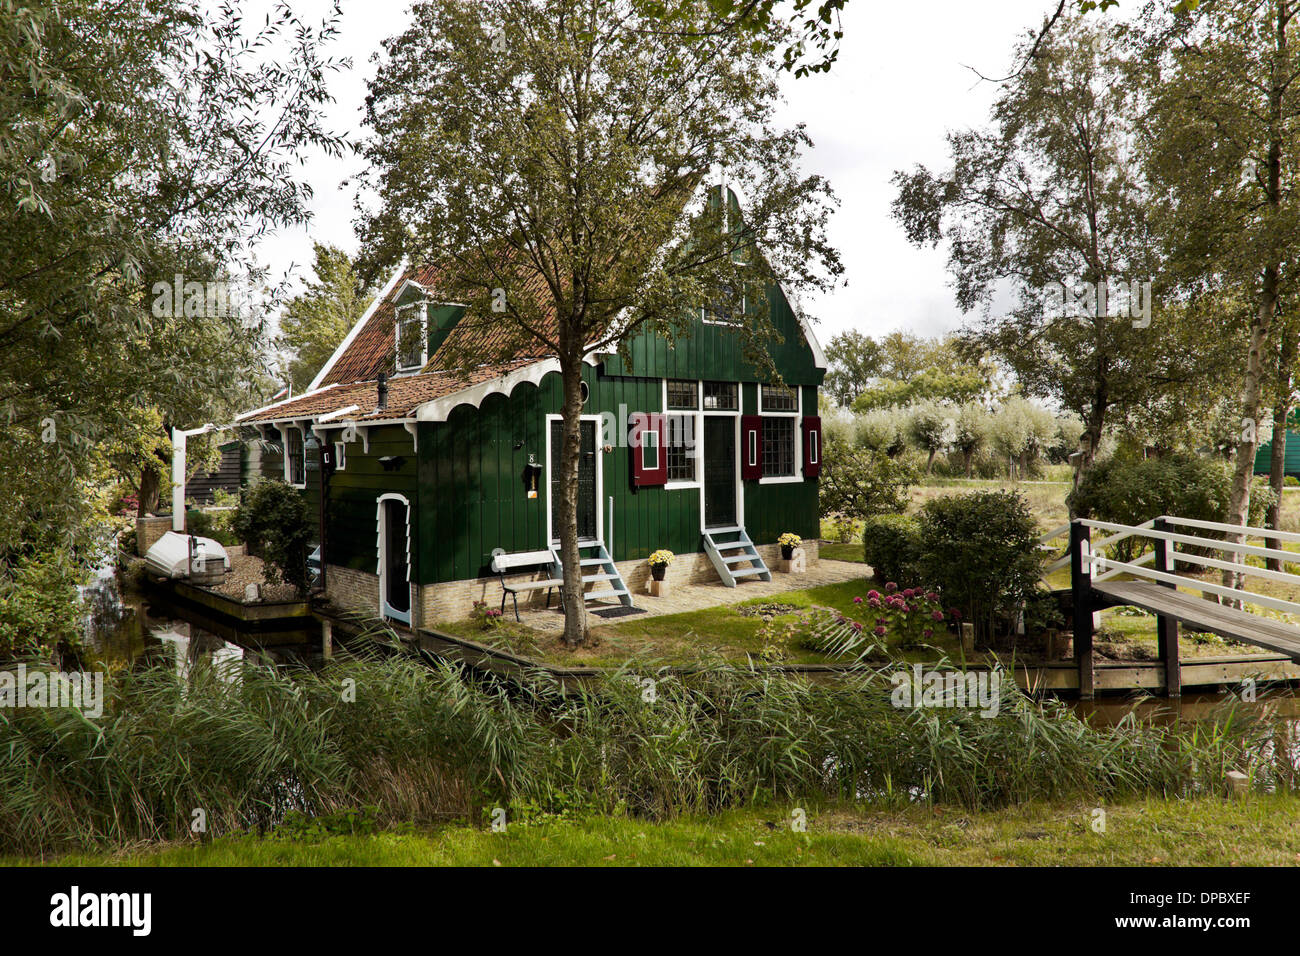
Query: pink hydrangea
[891,587]
[857,600]
[880,630]
[937,615]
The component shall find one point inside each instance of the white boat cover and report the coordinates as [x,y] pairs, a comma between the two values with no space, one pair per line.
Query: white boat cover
[170,555]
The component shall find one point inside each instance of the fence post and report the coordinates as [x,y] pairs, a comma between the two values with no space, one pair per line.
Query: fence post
[1081,595]
[1166,626]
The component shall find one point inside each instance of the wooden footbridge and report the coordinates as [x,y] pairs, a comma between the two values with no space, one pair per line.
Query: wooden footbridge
[1152,584]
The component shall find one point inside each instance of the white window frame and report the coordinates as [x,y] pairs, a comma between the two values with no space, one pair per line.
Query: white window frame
[288,465]
[734,323]
[697,425]
[340,455]
[398,320]
[797,414]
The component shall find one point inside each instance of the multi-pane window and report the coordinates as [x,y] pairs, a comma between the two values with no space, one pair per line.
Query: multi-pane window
[411,337]
[295,453]
[778,447]
[779,398]
[682,394]
[721,396]
[679,447]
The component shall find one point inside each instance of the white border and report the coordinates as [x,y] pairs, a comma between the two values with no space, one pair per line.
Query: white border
[796,414]
[740,483]
[357,327]
[381,546]
[600,481]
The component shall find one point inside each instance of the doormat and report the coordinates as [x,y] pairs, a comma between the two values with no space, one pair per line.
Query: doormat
[619,611]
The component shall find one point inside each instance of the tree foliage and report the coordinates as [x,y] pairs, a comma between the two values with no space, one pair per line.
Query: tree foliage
[316,320]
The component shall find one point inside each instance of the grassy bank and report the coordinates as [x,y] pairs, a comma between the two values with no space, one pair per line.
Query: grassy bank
[1260,831]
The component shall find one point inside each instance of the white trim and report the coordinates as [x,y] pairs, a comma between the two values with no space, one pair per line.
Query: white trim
[356,328]
[437,410]
[797,415]
[551,539]
[340,455]
[284,401]
[398,321]
[284,454]
[740,484]
[381,546]
[321,420]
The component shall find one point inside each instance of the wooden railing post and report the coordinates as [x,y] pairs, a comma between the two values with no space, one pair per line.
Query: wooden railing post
[1166,626]
[1081,595]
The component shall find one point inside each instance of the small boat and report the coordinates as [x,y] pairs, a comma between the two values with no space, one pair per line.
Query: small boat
[176,555]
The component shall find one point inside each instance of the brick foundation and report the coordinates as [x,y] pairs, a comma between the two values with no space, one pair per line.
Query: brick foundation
[148,530]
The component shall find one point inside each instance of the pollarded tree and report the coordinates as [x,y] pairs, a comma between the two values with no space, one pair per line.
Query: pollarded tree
[316,320]
[930,428]
[970,432]
[553,158]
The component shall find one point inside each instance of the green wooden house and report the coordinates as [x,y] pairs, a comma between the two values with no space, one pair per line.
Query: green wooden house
[1264,455]
[420,472]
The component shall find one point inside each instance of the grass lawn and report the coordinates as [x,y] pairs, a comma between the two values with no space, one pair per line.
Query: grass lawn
[731,632]
[1259,830]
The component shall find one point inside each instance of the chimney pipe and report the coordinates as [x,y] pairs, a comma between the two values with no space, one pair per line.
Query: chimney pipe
[383,391]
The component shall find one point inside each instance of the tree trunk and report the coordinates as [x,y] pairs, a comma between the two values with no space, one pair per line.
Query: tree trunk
[1277,471]
[1244,467]
[148,493]
[970,460]
[930,461]
[575,608]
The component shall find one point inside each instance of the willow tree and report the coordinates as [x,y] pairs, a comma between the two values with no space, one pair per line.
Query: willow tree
[1222,143]
[553,158]
[139,141]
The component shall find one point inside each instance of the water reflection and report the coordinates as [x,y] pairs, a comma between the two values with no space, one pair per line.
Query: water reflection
[1107,712]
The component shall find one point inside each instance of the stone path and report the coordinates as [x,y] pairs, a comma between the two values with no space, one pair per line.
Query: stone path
[693,597]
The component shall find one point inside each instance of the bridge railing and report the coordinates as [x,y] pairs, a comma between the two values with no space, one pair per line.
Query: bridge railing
[1099,567]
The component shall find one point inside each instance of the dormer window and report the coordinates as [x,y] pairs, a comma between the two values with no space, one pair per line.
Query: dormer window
[412,330]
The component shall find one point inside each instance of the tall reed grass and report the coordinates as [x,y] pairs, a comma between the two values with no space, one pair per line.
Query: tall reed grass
[427,743]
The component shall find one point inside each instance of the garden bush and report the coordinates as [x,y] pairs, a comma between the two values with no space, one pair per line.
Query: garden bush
[273,520]
[981,551]
[891,545]
[1133,490]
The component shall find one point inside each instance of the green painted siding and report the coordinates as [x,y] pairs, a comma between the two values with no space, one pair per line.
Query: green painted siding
[714,352]
[354,492]
[1265,453]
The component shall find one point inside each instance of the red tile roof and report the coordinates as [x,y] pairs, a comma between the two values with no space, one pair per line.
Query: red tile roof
[405,394]
[491,341]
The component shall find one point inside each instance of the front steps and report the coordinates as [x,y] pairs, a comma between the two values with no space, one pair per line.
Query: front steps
[598,569]
[734,555]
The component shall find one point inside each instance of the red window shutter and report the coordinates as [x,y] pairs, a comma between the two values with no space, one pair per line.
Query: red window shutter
[649,463]
[812,446]
[751,447]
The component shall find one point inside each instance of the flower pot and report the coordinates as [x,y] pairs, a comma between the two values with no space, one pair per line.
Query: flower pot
[787,551]
[658,571]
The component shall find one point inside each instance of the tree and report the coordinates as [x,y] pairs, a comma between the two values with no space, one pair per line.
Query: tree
[1045,204]
[930,427]
[316,320]
[141,142]
[970,432]
[860,482]
[852,361]
[1232,215]
[551,159]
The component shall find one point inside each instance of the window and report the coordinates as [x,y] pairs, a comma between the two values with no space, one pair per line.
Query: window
[778,398]
[412,337]
[721,396]
[721,310]
[340,455]
[778,447]
[679,447]
[295,457]
[683,394]
[650,450]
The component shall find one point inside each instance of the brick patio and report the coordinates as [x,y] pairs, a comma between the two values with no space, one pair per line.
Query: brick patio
[693,597]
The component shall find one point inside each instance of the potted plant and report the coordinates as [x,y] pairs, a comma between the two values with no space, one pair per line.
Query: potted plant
[788,542]
[659,562]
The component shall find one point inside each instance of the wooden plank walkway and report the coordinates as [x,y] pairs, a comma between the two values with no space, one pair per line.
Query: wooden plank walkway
[1203,615]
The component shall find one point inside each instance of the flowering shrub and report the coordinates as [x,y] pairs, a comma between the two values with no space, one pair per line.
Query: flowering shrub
[901,618]
[661,558]
[486,617]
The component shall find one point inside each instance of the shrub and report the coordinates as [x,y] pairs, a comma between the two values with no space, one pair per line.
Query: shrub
[981,551]
[891,545]
[861,482]
[1131,491]
[273,520]
[40,609]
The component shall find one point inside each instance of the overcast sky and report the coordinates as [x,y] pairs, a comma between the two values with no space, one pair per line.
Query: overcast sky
[902,80]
